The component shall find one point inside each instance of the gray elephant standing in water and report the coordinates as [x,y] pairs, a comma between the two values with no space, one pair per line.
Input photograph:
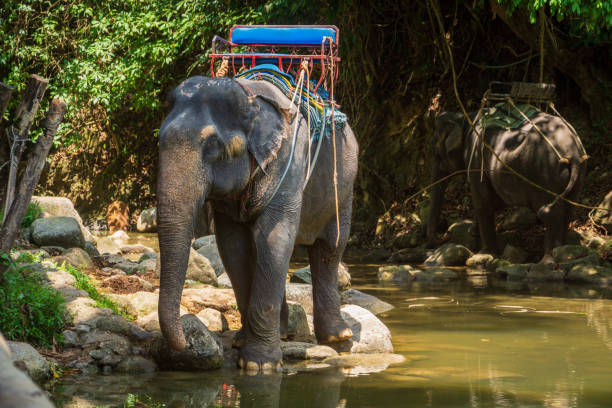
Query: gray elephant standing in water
[229,143]
[560,169]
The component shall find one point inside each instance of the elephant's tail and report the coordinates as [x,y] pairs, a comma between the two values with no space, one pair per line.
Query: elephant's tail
[576,167]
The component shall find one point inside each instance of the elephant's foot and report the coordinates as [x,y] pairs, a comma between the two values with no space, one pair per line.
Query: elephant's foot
[239,338]
[547,259]
[332,331]
[256,357]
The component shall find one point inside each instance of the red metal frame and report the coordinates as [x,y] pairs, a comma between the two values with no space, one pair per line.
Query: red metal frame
[325,53]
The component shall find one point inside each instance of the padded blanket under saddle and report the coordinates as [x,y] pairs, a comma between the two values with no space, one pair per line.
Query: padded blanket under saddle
[319,109]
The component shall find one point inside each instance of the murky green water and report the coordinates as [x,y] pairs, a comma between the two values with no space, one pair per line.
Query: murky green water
[470,344]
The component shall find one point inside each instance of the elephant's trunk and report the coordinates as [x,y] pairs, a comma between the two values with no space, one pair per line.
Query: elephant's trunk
[180,194]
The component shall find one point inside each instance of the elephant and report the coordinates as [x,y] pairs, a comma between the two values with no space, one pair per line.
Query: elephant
[229,143]
[561,169]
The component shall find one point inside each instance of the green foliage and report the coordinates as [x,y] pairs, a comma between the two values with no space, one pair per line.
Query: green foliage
[83,282]
[32,213]
[31,311]
[587,17]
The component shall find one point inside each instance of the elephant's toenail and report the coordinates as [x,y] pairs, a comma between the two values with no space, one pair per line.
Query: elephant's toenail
[252,366]
[279,365]
[267,367]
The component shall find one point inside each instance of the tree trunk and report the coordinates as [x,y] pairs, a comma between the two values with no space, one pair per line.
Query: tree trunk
[6,92]
[36,163]
[24,116]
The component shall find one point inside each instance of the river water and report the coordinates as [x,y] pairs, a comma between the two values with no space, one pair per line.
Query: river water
[476,343]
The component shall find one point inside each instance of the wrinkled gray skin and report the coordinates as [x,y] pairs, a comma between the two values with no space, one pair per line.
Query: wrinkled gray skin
[525,151]
[215,135]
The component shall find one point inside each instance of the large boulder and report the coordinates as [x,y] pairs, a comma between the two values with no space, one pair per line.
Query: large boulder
[207,247]
[147,220]
[27,356]
[435,275]
[298,323]
[112,244]
[603,217]
[57,231]
[203,350]
[449,255]
[138,303]
[213,319]
[300,293]
[197,299]
[61,207]
[77,257]
[369,302]
[479,261]
[589,273]
[370,335]
[16,389]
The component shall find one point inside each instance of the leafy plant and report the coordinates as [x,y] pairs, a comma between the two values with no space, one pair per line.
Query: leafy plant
[31,311]
[32,213]
[83,282]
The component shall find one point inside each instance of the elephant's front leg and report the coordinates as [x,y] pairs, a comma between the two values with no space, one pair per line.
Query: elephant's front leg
[274,237]
[484,209]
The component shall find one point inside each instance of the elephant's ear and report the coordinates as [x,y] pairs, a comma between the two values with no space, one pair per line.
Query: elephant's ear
[454,141]
[269,126]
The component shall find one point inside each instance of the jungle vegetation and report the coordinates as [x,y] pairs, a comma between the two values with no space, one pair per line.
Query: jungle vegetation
[114,61]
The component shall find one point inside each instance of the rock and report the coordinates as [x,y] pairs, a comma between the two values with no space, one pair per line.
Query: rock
[520,217]
[300,293]
[37,367]
[409,255]
[132,268]
[295,350]
[147,220]
[91,249]
[135,249]
[61,207]
[197,299]
[71,338]
[147,256]
[16,389]
[460,233]
[356,364]
[396,273]
[368,302]
[370,335]
[60,231]
[57,278]
[302,275]
[83,310]
[449,255]
[479,261]
[207,247]
[593,259]
[604,217]
[107,260]
[589,273]
[78,258]
[150,265]
[223,281]
[139,303]
[213,319]
[566,253]
[297,323]
[344,277]
[200,269]
[376,255]
[114,324]
[543,272]
[513,254]
[203,351]
[112,244]
[150,322]
[512,271]
[135,365]
[434,275]
[105,347]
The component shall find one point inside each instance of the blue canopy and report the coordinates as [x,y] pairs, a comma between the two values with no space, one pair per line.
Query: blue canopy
[270,35]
